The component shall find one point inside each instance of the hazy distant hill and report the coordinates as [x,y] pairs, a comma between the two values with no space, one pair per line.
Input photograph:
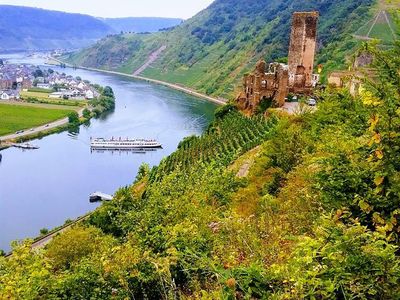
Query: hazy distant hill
[24,28]
[145,24]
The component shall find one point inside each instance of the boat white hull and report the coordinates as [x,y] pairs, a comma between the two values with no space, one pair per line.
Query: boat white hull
[103,144]
[112,147]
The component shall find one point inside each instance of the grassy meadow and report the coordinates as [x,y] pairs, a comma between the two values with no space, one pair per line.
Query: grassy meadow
[38,96]
[16,117]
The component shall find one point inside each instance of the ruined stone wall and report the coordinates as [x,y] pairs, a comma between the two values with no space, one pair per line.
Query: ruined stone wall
[274,81]
[302,49]
[271,83]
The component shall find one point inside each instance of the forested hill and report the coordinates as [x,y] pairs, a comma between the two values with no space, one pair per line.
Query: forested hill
[211,51]
[26,28]
[23,28]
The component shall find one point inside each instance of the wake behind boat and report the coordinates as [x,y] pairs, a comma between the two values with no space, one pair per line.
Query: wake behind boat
[123,144]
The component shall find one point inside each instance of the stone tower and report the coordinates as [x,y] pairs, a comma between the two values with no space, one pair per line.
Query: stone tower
[302,50]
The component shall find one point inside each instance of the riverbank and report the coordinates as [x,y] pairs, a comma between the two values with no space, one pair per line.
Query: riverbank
[94,108]
[63,172]
[39,131]
[41,241]
[219,101]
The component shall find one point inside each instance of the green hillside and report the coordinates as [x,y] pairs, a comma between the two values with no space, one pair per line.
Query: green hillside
[211,51]
[295,207]
[380,27]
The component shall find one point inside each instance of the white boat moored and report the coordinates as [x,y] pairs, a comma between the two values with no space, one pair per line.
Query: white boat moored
[123,144]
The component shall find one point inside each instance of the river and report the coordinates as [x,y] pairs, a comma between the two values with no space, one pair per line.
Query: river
[43,188]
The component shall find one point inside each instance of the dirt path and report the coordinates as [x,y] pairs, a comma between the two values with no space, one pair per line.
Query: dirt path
[152,58]
[245,169]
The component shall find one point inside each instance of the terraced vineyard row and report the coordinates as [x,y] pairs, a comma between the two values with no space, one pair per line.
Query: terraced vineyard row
[224,141]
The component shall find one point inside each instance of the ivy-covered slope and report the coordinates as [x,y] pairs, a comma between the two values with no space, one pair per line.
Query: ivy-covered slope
[211,51]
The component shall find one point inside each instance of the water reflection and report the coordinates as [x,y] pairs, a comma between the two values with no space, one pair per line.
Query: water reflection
[123,151]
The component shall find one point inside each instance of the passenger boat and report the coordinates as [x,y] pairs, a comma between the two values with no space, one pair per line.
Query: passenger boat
[123,144]
[26,146]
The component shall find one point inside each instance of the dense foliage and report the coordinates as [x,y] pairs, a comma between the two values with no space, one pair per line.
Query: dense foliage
[309,212]
[105,102]
[211,51]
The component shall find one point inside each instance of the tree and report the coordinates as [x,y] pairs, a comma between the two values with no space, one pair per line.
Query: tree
[38,73]
[73,245]
[44,231]
[73,118]
[342,262]
[24,275]
[108,92]
[144,170]
[86,113]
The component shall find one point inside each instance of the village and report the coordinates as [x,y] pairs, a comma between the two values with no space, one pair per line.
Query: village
[17,80]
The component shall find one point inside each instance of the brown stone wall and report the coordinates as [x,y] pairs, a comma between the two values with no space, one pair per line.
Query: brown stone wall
[302,49]
[258,85]
[274,81]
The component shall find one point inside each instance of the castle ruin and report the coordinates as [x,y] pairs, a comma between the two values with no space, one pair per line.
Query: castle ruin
[275,81]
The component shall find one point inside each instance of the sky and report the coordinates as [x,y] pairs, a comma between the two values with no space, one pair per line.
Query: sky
[120,8]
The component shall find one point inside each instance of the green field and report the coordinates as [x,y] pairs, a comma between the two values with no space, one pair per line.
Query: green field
[14,118]
[35,94]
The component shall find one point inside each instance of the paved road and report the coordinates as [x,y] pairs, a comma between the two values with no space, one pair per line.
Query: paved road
[42,242]
[38,129]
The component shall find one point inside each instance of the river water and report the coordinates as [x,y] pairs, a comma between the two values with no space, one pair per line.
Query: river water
[42,188]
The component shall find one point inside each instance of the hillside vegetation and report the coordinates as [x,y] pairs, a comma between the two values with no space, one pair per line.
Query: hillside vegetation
[283,207]
[211,51]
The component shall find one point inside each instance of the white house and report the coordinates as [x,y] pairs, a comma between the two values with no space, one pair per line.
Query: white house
[9,95]
[56,95]
[81,85]
[76,93]
[4,96]
[43,86]
[89,94]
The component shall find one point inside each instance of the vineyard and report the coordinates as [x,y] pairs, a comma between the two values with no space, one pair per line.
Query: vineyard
[380,27]
[225,140]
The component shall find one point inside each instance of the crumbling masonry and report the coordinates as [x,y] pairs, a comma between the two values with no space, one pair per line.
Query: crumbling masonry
[276,80]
